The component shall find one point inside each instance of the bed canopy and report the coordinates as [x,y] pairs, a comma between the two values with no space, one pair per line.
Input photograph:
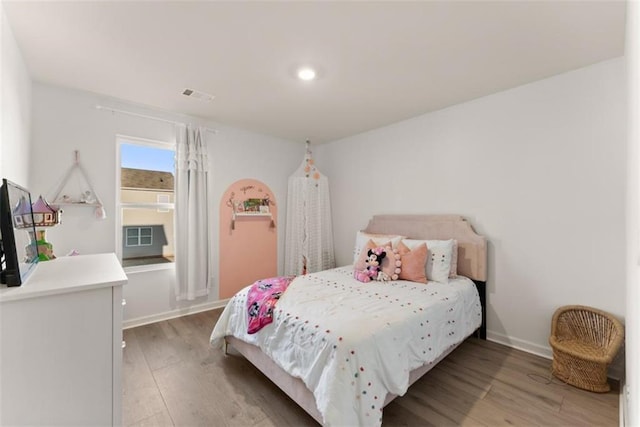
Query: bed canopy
[309,235]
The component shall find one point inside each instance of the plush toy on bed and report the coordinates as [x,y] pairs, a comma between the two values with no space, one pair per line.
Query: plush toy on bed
[373,261]
[391,270]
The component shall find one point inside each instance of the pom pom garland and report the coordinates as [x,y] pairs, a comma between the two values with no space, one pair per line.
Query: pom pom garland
[394,257]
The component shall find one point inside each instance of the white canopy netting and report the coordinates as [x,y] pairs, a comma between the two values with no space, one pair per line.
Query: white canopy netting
[309,234]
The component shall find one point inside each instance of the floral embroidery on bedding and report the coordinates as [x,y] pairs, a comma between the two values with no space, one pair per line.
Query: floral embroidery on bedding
[261,300]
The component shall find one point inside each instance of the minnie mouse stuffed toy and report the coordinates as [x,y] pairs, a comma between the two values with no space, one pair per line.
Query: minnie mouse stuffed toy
[374,258]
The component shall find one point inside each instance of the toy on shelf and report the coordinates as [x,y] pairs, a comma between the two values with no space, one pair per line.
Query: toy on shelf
[44,216]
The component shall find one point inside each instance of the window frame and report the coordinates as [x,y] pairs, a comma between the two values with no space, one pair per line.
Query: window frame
[121,206]
[139,236]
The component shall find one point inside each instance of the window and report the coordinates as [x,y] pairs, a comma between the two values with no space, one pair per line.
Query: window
[161,199]
[146,202]
[138,236]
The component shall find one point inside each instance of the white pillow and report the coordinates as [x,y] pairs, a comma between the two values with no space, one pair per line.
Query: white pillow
[440,258]
[362,238]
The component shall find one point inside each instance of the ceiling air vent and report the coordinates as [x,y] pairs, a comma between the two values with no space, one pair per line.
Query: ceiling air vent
[196,94]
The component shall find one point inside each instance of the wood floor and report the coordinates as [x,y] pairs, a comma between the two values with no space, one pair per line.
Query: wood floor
[172,377]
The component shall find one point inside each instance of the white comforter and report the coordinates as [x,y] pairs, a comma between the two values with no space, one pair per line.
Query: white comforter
[352,343]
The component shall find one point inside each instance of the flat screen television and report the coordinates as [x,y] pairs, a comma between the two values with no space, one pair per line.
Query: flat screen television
[19,249]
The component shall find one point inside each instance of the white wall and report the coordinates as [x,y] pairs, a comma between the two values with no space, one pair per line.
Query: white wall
[65,120]
[15,108]
[539,170]
[631,396]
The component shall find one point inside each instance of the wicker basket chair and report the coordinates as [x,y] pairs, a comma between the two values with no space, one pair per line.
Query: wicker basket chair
[584,340]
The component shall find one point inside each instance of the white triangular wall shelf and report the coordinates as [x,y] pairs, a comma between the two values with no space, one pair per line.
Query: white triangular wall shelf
[87,197]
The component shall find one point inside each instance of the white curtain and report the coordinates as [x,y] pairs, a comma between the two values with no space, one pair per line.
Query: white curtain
[309,235]
[191,214]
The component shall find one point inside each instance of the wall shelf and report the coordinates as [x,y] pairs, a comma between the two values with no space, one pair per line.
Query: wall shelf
[251,207]
[89,195]
[252,214]
[236,215]
[94,205]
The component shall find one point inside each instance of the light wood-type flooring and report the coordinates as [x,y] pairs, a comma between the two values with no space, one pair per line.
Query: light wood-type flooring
[171,376]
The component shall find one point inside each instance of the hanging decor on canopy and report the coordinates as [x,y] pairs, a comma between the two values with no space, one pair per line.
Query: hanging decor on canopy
[309,234]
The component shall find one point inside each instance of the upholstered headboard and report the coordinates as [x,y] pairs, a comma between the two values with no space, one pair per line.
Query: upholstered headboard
[472,248]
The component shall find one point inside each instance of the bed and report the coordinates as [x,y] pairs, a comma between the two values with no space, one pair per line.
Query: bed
[342,349]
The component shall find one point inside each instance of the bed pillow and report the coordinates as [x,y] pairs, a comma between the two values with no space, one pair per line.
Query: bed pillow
[453,266]
[391,263]
[439,258]
[414,262]
[380,239]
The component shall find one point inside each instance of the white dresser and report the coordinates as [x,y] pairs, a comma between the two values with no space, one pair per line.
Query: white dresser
[61,344]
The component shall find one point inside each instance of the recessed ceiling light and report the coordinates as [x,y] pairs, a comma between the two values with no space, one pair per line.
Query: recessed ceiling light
[306,73]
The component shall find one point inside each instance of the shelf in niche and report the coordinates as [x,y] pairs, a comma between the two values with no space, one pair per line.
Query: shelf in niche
[237,215]
[266,214]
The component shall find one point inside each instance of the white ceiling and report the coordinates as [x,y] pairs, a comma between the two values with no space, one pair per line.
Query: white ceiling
[379,62]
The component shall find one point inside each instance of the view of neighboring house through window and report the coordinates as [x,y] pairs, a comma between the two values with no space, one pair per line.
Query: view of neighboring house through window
[138,236]
[146,202]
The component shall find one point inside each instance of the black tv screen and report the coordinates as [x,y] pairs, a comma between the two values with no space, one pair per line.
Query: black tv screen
[17,229]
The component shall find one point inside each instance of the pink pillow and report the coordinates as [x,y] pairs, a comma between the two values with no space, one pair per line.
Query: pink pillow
[391,263]
[413,262]
[361,264]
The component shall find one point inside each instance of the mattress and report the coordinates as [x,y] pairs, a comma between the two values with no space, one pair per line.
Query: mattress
[351,343]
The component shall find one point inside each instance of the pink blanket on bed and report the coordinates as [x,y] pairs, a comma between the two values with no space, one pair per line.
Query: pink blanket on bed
[261,300]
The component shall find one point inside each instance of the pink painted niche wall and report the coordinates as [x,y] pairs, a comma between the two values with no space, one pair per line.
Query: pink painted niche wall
[248,235]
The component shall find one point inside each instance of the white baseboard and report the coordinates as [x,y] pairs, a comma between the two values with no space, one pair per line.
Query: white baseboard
[616,369]
[145,320]
[518,344]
